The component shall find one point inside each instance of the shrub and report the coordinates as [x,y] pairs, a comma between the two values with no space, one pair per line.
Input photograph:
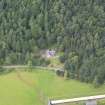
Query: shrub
[62,58]
[96,83]
[1,70]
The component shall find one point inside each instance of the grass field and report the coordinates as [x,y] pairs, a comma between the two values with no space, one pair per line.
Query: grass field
[23,88]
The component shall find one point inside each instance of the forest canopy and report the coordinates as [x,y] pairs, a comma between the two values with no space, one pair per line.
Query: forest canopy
[75,27]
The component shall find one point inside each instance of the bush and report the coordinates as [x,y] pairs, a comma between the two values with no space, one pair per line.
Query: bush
[4,71]
[96,83]
[62,58]
[44,62]
[60,73]
[1,70]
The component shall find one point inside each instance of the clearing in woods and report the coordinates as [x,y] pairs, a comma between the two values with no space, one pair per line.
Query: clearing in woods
[24,88]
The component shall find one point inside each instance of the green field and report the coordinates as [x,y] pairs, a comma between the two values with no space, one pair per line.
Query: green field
[25,88]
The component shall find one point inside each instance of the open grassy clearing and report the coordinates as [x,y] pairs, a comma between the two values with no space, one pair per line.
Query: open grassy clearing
[15,90]
[57,87]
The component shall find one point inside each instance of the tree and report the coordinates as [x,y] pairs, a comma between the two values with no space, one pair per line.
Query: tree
[74,27]
[30,65]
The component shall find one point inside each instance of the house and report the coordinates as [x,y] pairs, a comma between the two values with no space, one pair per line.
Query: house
[47,53]
[50,53]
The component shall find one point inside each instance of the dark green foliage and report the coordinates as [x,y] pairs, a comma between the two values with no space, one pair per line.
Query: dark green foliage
[44,62]
[63,58]
[1,70]
[76,27]
[60,73]
[91,70]
[4,71]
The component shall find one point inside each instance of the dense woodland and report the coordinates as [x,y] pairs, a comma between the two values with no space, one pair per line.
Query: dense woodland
[75,27]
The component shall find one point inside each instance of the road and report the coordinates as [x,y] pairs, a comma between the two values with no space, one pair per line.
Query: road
[25,66]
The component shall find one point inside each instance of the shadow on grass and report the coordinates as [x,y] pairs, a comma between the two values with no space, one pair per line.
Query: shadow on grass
[5,71]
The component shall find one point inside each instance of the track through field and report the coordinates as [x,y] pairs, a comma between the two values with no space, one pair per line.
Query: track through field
[40,94]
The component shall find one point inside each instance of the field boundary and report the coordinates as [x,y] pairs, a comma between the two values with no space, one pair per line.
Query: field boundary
[25,66]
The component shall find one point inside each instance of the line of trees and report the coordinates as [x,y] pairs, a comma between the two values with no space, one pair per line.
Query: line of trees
[75,27]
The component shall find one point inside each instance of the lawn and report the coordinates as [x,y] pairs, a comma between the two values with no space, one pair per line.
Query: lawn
[26,88]
[14,92]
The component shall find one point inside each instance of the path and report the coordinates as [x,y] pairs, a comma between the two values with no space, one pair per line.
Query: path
[25,66]
[40,94]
